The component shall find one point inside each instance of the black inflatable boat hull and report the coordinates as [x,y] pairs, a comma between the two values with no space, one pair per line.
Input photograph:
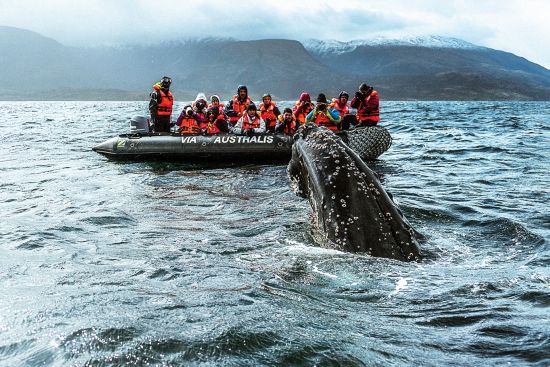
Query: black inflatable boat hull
[197,147]
[368,143]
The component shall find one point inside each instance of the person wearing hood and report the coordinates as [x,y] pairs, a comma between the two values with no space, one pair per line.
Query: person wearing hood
[236,107]
[269,113]
[160,105]
[324,115]
[199,110]
[302,107]
[250,123]
[367,103]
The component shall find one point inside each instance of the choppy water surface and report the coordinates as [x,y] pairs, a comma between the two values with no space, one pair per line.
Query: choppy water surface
[106,263]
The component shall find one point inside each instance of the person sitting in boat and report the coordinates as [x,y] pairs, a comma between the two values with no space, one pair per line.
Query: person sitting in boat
[367,102]
[216,122]
[323,115]
[236,107]
[251,123]
[199,110]
[187,123]
[160,105]
[341,105]
[302,107]
[269,113]
[215,102]
[286,123]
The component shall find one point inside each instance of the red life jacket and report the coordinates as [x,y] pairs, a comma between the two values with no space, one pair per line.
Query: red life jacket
[268,114]
[247,124]
[164,108]
[212,127]
[321,119]
[289,128]
[369,115]
[342,110]
[188,126]
[301,116]
[239,108]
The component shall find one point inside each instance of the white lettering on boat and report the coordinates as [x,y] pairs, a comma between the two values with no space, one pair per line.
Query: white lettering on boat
[230,139]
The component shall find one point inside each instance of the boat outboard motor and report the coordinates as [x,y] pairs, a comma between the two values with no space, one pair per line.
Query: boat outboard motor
[139,125]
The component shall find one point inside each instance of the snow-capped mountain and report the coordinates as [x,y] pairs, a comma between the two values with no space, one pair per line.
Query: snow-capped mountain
[339,47]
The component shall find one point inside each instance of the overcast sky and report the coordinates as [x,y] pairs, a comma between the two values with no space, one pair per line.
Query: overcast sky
[518,26]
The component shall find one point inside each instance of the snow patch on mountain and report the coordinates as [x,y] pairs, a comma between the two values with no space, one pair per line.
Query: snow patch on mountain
[334,46]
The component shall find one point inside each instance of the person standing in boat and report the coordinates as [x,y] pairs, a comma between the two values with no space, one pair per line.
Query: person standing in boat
[302,107]
[323,115]
[236,107]
[160,105]
[251,123]
[367,103]
[269,113]
[286,123]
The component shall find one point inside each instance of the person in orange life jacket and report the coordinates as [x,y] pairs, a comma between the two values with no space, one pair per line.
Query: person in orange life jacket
[160,105]
[199,110]
[322,115]
[368,106]
[236,107]
[269,113]
[341,105]
[215,103]
[286,123]
[302,107]
[216,122]
[186,122]
[251,123]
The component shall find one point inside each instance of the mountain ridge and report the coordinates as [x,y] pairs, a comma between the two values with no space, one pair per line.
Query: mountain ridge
[39,67]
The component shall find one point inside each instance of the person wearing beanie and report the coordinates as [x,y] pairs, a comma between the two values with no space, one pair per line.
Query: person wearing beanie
[250,123]
[367,103]
[324,115]
[341,105]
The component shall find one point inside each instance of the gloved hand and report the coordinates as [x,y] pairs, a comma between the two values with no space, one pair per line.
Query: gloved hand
[358,95]
[249,132]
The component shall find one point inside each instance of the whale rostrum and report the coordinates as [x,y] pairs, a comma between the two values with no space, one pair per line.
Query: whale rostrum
[351,209]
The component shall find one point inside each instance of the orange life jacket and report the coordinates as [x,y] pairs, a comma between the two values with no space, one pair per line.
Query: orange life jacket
[336,105]
[321,119]
[189,126]
[239,108]
[164,108]
[364,115]
[247,124]
[289,128]
[301,117]
[268,114]
[220,107]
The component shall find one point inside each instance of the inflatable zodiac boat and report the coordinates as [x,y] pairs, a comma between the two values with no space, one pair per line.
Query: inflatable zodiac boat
[139,144]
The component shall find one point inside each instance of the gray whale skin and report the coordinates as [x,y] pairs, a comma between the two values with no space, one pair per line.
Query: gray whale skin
[351,210]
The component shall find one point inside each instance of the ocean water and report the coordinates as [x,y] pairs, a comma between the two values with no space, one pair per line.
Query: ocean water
[106,263]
